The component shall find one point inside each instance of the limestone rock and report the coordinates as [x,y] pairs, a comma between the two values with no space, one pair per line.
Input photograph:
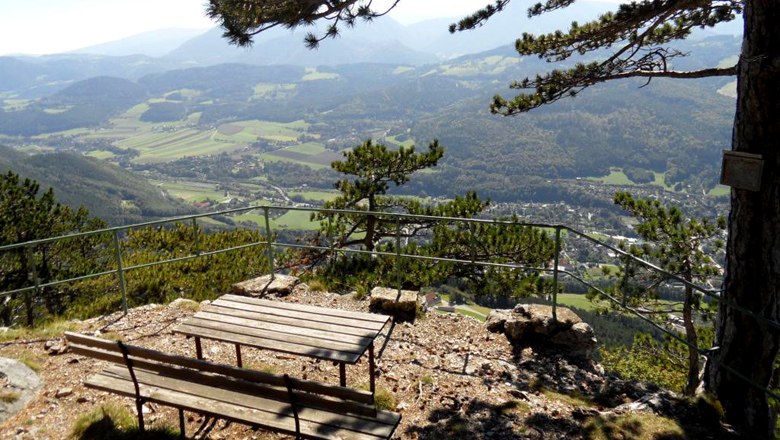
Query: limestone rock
[19,382]
[531,325]
[385,300]
[279,285]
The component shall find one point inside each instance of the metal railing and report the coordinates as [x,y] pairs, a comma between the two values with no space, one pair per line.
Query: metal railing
[271,246]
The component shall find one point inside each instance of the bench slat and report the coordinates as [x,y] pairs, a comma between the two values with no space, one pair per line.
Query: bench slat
[243,326]
[109,351]
[302,315]
[313,309]
[284,347]
[283,423]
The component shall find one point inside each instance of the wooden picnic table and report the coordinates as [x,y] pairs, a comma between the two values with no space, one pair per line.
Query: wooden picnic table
[335,335]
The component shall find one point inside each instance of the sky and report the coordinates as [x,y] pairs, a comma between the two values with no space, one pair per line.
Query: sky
[51,26]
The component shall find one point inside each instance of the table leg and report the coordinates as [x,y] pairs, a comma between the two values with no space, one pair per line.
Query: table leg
[371,367]
[343,374]
[238,356]
[198,349]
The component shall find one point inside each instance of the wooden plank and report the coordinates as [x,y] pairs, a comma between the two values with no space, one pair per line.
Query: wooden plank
[284,347]
[269,413]
[302,315]
[302,336]
[282,320]
[327,311]
[109,351]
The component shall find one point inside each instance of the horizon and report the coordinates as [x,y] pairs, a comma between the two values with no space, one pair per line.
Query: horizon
[73,25]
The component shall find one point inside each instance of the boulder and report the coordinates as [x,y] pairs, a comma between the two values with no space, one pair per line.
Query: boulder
[279,285]
[19,385]
[385,300]
[531,325]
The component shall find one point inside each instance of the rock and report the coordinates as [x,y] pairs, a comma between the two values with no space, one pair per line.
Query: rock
[531,325]
[63,392]
[385,300]
[279,285]
[20,382]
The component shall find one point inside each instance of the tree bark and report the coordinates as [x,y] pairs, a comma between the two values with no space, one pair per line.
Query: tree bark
[745,343]
[693,341]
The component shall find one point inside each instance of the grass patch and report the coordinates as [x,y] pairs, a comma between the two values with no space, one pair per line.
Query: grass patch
[384,399]
[114,422]
[31,361]
[471,314]
[317,285]
[49,330]
[574,399]
[640,426]
[577,300]
[262,367]
[7,396]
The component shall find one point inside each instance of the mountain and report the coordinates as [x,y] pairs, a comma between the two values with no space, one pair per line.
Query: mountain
[82,104]
[109,192]
[368,43]
[37,77]
[152,44]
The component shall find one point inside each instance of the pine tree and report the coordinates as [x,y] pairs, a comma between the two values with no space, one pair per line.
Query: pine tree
[677,244]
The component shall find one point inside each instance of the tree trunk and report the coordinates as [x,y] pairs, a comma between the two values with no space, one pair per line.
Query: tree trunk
[747,344]
[693,341]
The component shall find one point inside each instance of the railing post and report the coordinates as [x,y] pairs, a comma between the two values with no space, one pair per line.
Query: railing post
[398,256]
[33,273]
[197,236]
[555,273]
[119,269]
[269,248]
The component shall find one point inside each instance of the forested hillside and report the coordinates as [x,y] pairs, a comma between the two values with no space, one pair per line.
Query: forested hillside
[109,192]
[669,136]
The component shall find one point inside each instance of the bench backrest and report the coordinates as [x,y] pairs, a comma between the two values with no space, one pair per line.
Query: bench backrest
[278,387]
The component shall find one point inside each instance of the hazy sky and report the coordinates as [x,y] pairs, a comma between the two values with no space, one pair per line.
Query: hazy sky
[52,26]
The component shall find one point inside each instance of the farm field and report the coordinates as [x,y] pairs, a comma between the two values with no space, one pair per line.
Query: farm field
[253,130]
[190,191]
[322,196]
[618,177]
[297,220]
[311,154]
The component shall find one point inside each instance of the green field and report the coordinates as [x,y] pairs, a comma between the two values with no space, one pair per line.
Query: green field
[190,191]
[720,190]
[617,177]
[578,300]
[252,130]
[308,148]
[313,75]
[298,220]
[323,196]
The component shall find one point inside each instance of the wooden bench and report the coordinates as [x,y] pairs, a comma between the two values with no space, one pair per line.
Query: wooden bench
[302,408]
